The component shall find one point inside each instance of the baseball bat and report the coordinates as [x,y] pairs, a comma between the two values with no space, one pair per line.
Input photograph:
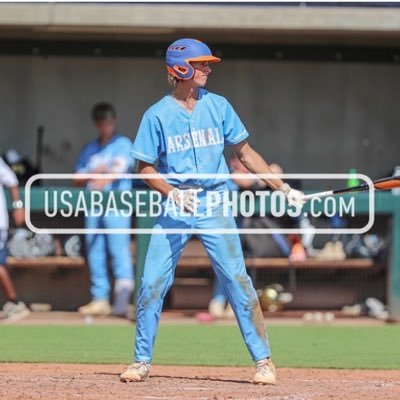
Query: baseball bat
[39,147]
[379,184]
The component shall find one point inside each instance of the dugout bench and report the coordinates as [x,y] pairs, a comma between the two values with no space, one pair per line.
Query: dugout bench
[194,273]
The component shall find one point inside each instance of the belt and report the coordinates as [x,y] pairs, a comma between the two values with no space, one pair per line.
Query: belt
[212,187]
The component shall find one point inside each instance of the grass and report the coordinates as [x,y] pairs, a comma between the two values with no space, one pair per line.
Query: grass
[375,347]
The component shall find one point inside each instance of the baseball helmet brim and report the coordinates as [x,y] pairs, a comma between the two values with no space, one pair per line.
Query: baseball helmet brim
[204,58]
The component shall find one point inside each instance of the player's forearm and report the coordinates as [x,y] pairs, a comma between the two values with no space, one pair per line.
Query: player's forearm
[17,205]
[160,185]
[77,181]
[256,164]
[83,181]
[118,167]
[14,192]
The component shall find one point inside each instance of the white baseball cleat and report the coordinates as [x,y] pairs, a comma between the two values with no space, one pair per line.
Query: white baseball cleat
[265,372]
[216,309]
[96,308]
[15,312]
[137,372]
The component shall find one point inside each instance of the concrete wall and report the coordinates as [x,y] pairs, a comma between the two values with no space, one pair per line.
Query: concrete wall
[311,117]
[234,23]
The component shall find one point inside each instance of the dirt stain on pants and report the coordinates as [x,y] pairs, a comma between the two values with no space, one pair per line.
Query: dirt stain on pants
[253,305]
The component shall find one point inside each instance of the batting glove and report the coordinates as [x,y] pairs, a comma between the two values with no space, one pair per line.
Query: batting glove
[187,199]
[294,197]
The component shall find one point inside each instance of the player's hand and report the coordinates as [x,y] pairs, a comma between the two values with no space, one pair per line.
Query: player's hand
[295,198]
[99,184]
[187,199]
[100,169]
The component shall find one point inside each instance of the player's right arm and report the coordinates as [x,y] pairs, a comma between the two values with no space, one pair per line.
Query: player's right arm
[159,184]
[146,149]
[186,199]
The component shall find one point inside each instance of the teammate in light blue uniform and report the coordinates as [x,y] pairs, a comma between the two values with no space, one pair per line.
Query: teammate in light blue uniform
[109,153]
[185,133]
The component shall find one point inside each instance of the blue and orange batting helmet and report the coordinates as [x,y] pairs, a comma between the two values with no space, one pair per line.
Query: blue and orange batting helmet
[182,52]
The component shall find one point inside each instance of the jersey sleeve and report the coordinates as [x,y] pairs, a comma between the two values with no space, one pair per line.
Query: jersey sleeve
[147,144]
[122,161]
[81,163]
[234,130]
[7,176]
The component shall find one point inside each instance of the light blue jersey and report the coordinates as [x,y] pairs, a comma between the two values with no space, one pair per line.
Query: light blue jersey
[114,155]
[189,143]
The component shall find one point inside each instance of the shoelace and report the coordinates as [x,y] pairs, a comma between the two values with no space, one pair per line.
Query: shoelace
[11,310]
[8,306]
[137,365]
[263,368]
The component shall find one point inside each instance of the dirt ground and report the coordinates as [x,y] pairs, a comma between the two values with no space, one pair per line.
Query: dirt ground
[62,382]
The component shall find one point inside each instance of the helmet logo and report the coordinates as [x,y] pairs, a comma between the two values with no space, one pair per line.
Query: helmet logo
[177,48]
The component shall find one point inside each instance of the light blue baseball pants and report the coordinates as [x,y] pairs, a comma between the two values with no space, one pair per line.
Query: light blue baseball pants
[100,247]
[226,255]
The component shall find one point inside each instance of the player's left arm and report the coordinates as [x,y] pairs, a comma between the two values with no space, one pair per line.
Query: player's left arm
[9,179]
[120,164]
[256,164]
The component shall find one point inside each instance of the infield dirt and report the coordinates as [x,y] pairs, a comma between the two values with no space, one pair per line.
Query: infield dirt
[82,381]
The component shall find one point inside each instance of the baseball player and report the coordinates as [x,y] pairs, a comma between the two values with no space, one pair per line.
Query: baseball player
[186,132]
[14,309]
[109,153]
